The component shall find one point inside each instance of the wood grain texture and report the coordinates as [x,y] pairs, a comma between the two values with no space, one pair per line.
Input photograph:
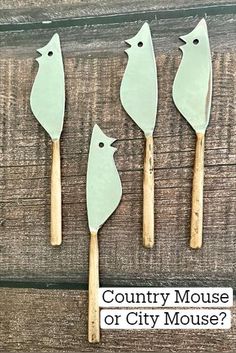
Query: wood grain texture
[107,39]
[56,218]
[93,305]
[65,15]
[148,194]
[92,37]
[30,4]
[35,12]
[49,321]
[197,193]
[94,66]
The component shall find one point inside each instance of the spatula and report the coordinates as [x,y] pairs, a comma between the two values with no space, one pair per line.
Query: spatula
[192,91]
[138,94]
[104,192]
[47,102]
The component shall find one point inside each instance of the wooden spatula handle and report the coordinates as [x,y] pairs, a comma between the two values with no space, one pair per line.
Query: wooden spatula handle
[148,195]
[197,194]
[56,233]
[93,307]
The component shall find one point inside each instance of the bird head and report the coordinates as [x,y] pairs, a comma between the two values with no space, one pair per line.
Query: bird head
[197,38]
[140,40]
[50,50]
[102,143]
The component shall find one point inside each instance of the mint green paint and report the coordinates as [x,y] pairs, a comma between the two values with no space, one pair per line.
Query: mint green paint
[47,98]
[192,89]
[103,182]
[138,91]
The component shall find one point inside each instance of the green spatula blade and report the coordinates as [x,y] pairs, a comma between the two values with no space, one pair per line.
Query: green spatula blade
[47,98]
[103,182]
[139,90]
[192,88]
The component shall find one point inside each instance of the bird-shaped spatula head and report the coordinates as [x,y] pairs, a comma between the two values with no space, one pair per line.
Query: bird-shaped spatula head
[192,92]
[192,88]
[103,182]
[139,97]
[47,98]
[103,196]
[138,91]
[47,102]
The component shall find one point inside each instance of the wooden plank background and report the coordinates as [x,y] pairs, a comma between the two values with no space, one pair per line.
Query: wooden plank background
[92,36]
[56,321]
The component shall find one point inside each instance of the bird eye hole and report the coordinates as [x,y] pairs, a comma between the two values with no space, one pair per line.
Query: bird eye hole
[195,41]
[101,144]
[50,53]
[140,44]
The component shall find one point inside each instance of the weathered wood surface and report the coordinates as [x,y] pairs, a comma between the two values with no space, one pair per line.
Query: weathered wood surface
[94,64]
[48,321]
[33,11]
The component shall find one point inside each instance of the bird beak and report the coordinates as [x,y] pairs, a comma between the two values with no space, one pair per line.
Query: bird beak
[112,140]
[40,51]
[183,38]
[128,41]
